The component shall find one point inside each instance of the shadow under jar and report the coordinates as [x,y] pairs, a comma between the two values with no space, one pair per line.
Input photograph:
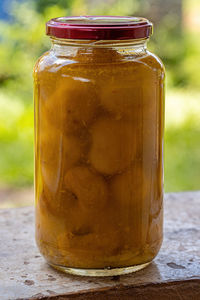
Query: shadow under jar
[99,120]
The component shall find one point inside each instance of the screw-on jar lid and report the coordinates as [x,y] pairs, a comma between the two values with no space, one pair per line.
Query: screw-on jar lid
[99,28]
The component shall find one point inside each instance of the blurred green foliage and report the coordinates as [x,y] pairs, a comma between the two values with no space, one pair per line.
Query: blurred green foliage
[23,40]
[182,140]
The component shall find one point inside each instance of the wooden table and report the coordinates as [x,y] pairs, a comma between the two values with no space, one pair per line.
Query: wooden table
[174,274]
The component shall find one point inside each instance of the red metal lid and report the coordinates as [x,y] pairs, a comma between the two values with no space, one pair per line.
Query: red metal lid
[99,28]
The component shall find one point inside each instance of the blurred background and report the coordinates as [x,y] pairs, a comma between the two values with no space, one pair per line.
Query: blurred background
[22,40]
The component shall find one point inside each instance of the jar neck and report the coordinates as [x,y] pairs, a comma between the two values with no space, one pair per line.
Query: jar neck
[64,47]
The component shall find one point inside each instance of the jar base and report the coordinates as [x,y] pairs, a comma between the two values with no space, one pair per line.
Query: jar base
[100,272]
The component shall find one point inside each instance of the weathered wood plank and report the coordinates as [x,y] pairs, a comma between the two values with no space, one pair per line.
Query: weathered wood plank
[175,273]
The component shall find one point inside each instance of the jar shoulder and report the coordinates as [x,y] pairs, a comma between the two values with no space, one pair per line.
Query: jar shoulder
[44,62]
[89,66]
[154,61]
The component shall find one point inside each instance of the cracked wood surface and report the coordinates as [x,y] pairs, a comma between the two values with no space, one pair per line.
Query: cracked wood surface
[174,274]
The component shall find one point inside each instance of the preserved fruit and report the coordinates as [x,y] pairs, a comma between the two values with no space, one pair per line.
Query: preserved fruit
[99,156]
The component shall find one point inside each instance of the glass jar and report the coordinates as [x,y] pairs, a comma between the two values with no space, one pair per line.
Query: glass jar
[99,121]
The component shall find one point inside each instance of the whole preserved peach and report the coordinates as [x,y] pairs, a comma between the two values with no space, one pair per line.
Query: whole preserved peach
[101,247]
[58,152]
[76,104]
[89,188]
[113,145]
[129,190]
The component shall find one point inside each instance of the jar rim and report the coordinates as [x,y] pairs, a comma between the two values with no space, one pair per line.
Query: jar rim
[99,27]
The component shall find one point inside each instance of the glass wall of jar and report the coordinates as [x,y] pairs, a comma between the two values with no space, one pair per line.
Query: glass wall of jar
[99,110]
